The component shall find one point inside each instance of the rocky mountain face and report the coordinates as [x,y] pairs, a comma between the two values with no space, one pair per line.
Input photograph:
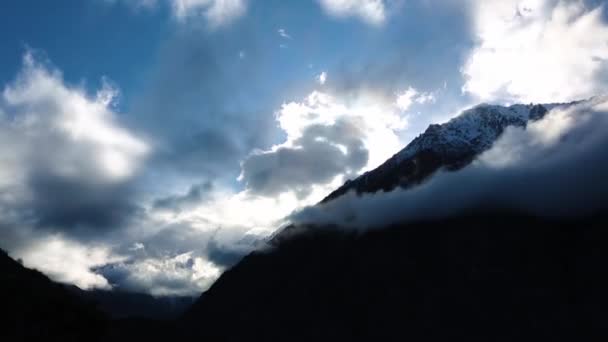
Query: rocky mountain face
[452,146]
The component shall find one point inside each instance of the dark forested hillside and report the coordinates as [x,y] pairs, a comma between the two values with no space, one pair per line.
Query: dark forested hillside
[36,309]
[474,278]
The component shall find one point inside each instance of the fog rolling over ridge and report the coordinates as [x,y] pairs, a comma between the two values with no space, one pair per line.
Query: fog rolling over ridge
[554,167]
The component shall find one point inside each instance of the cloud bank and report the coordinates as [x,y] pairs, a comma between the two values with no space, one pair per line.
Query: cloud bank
[67,162]
[67,168]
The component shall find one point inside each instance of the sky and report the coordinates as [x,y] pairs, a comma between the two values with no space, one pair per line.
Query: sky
[147,145]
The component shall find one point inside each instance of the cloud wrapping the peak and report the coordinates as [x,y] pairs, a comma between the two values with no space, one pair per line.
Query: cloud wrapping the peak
[555,167]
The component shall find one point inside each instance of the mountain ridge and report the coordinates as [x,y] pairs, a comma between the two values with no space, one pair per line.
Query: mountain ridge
[452,145]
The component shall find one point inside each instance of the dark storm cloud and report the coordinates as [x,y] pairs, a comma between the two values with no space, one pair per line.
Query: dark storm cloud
[555,167]
[320,154]
[220,245]
[68,165]
[78,207]
[195,195]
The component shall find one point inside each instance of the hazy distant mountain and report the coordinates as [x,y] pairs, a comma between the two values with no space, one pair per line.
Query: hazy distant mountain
[452,146]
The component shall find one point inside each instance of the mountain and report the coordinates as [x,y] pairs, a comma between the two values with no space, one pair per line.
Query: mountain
[481,277]
[452,145]
[127,305]
[487,274]
[35,309]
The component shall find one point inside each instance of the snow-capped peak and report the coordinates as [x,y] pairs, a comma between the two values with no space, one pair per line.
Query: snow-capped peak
[474,129]
[451,145]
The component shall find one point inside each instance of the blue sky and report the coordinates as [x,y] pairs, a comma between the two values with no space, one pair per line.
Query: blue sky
[173,135]
[87,39]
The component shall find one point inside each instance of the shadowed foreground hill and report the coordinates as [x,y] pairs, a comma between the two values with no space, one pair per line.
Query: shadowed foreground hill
[36,309]
[477,278]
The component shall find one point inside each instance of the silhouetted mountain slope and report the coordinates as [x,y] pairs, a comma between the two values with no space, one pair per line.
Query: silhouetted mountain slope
[476,278]
[121,305]
[452,146]
[36,309]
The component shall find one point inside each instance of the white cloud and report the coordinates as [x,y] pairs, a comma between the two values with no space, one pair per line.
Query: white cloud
[44,110]
[181,275]
[322,78]
[217,12]
[372,12]
[410,96]
[381,122]
[537,51]
[67,261]
[283,33]
[348,135]
[376,117]
[64,156]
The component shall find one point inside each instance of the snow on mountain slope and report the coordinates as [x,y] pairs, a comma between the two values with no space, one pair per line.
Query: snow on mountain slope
[451,145]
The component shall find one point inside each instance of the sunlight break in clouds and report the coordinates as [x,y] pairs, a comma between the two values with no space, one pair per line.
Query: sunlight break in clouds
[537,51]
[372,12]
[410,96]
[329,139]
[67,261]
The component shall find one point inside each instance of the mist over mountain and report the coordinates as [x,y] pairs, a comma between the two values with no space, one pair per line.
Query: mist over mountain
[545,163]
[497,236]
[450,146]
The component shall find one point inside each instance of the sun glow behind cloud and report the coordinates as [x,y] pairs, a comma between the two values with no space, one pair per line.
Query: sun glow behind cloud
[537,51]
